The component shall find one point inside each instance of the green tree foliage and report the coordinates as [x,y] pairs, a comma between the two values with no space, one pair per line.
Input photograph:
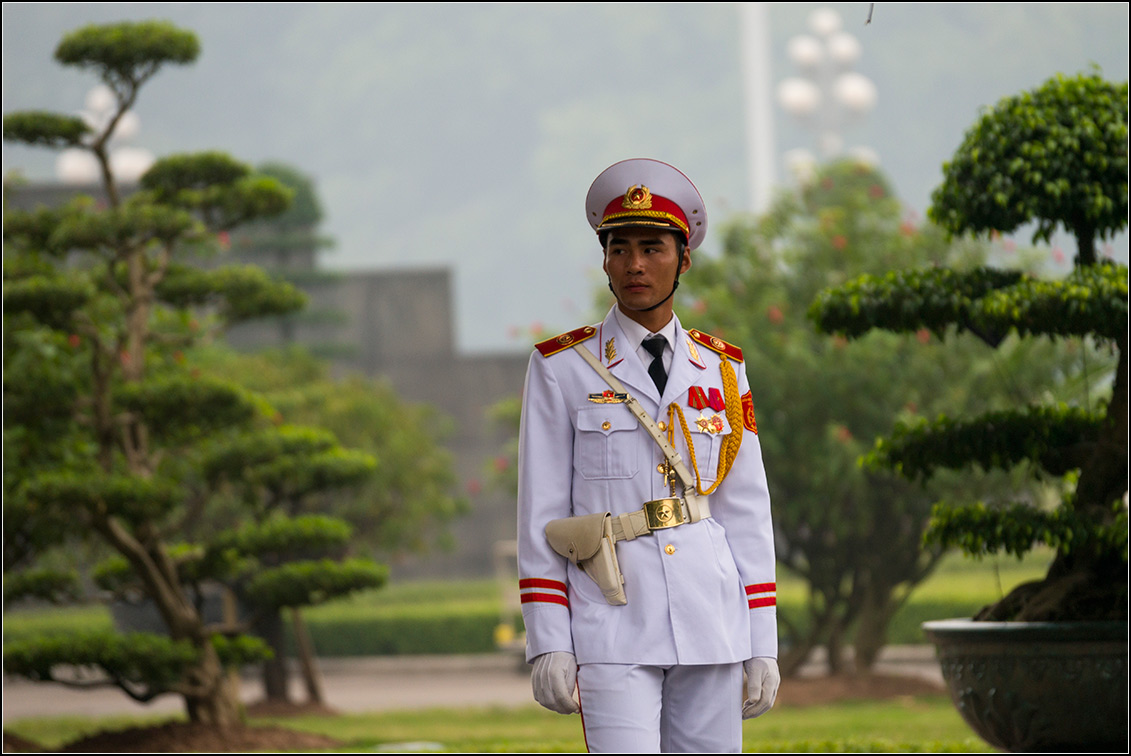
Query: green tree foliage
[112,435]
[853,534]
[406,504]
[1056,155]
[1062,152]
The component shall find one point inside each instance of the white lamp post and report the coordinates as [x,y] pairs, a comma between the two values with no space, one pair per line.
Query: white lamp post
[828,95]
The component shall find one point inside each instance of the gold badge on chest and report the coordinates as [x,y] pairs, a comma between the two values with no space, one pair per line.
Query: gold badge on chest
[712,424]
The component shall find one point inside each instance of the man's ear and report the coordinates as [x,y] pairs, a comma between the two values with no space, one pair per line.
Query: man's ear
[685,264]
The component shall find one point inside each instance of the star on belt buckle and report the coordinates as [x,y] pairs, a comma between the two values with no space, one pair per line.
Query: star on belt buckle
[663,513]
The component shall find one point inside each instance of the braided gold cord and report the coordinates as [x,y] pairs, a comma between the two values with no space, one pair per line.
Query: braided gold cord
[731,441]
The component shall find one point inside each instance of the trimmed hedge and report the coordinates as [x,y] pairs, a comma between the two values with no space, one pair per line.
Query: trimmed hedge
[460,632]
[461,617]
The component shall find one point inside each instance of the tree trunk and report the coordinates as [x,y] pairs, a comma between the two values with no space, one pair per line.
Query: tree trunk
[834,648]
[306,657]
[872,631]
[801,648]
[217,703]
[275,687]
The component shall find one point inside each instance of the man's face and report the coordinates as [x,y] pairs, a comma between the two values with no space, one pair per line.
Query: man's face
[641,264]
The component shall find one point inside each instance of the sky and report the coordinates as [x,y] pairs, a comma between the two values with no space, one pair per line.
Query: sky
[465,136]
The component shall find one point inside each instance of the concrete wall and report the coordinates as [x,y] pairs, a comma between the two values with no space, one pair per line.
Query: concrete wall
[398,325]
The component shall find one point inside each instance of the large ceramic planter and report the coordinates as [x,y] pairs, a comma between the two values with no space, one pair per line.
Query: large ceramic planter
[1038,686]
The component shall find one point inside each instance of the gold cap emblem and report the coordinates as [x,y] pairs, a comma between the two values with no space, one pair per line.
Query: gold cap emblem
[637,198]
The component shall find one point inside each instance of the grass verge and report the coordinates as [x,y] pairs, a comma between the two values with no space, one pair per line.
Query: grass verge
[926,724]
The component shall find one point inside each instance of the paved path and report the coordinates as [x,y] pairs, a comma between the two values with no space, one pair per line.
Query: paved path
[380,684]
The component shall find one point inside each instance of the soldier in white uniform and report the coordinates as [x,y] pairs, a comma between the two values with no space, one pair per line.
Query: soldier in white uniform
[686,605]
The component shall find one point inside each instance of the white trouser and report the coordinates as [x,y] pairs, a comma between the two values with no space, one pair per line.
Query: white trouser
[629,708]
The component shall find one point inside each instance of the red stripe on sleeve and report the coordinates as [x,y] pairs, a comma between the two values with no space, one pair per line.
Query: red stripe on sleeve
[549,598]
[551,585]
[761,588]
[766,601]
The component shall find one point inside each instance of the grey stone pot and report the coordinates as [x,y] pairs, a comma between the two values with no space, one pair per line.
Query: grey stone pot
[1038,686]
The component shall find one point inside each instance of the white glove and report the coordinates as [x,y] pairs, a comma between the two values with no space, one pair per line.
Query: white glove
[762,681]
[554,680]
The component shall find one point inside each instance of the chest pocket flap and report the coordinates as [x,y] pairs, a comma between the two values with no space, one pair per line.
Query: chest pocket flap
[606,445]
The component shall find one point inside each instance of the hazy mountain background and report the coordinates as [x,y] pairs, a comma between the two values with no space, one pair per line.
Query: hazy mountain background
[466,135]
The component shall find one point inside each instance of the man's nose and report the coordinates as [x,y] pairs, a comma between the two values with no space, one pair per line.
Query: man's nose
[635,262]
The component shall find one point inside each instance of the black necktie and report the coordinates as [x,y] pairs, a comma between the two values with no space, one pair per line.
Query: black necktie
[655,346]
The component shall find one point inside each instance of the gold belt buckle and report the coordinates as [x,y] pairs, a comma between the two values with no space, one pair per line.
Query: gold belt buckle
[663,513]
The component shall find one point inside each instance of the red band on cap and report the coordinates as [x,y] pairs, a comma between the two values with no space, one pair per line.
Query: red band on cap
[641,205]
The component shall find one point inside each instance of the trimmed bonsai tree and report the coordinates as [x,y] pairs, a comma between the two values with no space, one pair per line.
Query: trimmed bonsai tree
[852,535]
[114,440]
[1055,156]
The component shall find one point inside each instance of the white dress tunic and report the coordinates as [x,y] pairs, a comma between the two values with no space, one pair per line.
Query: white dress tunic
[698,594]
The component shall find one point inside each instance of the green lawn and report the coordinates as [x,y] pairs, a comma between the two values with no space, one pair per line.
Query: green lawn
[913,725]
[959,587]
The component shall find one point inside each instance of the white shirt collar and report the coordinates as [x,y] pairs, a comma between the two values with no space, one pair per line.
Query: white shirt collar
[636,333]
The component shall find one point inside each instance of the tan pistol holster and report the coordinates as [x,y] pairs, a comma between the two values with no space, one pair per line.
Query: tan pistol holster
[588,542]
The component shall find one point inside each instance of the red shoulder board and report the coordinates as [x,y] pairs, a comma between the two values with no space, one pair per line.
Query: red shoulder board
[716,344]
[565,341]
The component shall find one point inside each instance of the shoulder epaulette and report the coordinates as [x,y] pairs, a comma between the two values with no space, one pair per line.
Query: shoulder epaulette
[716,344]
[564,341]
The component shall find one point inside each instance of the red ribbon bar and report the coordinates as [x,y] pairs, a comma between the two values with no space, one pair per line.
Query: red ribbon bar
[696,399]
[716,401]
